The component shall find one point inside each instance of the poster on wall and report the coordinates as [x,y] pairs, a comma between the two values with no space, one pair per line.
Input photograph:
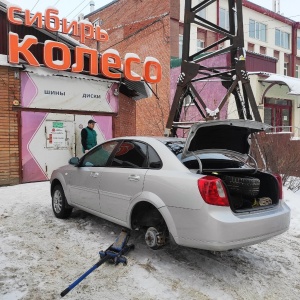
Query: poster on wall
[50,140]
[44,89]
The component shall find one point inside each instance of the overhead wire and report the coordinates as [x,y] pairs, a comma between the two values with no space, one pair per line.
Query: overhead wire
[76,8]
[56,2]
[82,9]
[35,4]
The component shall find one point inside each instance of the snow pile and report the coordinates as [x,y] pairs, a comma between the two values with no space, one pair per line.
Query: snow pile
[40,256]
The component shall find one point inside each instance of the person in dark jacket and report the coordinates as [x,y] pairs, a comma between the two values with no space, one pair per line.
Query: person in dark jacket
[88,136]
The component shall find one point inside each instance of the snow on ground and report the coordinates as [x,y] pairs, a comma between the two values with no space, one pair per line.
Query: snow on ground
[40,256]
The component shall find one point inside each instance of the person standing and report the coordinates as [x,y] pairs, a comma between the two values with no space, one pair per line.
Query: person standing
[88,136]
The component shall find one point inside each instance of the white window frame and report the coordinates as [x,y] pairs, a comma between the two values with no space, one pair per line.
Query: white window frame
[297,69]
[259,31]
[226,18]
[285,68]
[200,45]
[180,45]
[282,39]
[97,22]
[201,13]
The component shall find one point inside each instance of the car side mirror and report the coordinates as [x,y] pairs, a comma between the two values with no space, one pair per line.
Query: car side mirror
[74,161]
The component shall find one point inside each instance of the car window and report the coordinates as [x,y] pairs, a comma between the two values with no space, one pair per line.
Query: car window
[154,160]
[131,154]
[176,148]
[98,157]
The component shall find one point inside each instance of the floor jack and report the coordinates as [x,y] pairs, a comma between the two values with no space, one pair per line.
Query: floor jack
[113,253]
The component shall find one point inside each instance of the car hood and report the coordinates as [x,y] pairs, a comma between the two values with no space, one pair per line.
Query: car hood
[230,135]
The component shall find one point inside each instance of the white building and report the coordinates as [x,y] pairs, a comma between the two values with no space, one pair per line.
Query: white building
[273,37]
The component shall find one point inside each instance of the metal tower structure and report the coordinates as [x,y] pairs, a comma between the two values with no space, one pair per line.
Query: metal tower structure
[234,77]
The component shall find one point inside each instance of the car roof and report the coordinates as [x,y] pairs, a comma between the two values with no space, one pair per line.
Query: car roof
[163,139]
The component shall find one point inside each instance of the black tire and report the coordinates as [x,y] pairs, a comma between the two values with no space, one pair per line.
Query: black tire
[60,206]
[245,186]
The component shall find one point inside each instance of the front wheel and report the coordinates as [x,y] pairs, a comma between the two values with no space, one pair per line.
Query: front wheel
[60,206]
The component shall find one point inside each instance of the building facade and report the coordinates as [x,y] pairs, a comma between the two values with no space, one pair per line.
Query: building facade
[43,110]
[141,27]
[33,116]
[272,42]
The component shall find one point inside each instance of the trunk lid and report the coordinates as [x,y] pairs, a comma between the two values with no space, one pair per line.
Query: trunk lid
[230,135]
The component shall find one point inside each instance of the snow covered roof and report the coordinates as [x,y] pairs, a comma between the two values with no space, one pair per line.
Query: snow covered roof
[292,82]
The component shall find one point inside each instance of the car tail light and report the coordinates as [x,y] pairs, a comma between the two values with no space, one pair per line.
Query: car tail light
[280,188]
[213,191]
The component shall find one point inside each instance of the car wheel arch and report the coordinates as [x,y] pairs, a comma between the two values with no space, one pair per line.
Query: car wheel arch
[157,203]
[62,183]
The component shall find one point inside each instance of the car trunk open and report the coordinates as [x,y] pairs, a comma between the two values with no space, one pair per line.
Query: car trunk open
[248,188]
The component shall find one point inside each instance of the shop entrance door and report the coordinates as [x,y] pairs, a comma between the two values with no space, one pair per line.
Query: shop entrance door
[60,143]
[49,140]
[278,114]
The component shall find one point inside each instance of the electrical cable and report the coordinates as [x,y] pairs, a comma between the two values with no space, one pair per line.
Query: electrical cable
[82,9]
[35,4]
[56,2]
[75,8]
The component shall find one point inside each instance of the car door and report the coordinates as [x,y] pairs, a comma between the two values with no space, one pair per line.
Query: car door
[85,179]
[123,179]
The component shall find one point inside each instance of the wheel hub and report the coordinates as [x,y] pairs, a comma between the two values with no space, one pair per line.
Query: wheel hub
[57,202]
[154,239]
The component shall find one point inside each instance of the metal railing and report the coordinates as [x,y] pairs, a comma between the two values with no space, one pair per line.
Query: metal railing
[293,131]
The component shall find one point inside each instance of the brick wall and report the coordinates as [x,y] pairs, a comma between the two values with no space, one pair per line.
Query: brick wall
[9,128]
[141,27]
[124,124]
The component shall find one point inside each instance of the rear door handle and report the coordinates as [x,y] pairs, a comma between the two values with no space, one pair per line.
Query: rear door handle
[134,177]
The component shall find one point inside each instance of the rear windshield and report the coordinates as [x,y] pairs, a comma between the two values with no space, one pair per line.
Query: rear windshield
[209,160]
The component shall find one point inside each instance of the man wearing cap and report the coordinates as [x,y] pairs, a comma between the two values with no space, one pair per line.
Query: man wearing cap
[88,136]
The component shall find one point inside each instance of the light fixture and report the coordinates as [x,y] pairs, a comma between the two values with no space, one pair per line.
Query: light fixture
[116,92]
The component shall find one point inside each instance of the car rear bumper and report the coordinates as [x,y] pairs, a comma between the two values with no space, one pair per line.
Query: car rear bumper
[218,228]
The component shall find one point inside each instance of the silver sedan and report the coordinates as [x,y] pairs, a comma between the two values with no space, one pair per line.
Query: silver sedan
[204,191]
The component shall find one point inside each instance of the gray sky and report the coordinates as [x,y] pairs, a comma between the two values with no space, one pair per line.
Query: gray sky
[67,8]
[289,8]
[72,8]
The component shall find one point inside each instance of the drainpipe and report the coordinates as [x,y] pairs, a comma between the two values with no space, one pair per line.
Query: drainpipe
[218,9]
[218,18]
[295,27]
